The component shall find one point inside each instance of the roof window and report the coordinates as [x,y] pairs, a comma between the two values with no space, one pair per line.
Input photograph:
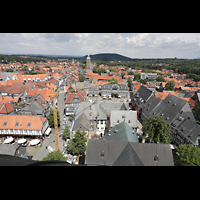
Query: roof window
[29,124]
[17,124]
[5,123]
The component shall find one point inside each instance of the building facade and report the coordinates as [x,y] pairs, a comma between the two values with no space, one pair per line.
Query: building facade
[23,126]
[108,89]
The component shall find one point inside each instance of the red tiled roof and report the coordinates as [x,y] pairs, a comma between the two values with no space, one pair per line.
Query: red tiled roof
[36,122]
[6,108]
[5,99]
[79,94]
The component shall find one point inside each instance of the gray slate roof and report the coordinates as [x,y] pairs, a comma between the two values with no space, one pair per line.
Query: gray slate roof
[130,117]
[82,123]
[100,107]
[121,132]
[110,152]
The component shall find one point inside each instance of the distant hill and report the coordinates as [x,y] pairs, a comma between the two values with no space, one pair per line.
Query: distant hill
[107,56]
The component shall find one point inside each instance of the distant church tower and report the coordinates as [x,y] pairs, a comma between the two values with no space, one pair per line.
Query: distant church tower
[88,62]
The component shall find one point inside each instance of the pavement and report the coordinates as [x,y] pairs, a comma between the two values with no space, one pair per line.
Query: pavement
[42,151]
[50,141]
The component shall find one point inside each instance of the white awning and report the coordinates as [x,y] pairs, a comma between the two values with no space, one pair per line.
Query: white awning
[8,140]
[48,131]
[34,142]
[21,141]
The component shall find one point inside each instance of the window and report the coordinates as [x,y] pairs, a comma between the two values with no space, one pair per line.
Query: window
[101,121]
[117,121]
[17,124]
[29,124]
[129,121]
[5,123]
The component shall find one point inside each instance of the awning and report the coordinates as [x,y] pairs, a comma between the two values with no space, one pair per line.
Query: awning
[8,140]
[48,131]
[34,142]
[21,141]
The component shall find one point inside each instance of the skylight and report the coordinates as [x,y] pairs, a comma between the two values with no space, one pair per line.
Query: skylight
[17,124]
[29,124]
[5,123]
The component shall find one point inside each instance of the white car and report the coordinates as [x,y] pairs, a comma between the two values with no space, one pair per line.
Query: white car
[51,149]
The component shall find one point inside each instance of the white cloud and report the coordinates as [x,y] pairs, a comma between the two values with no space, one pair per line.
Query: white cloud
[141,45]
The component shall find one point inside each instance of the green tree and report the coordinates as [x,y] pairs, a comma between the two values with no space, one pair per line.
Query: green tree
[117,95]
[55,155]
[113,70]
[160,78]
[143,81]
[113,81]
[66,133]
[77,146]
[186,155]
[9,70]
[196,111]
[157,130]
[51,118]
[81,78]
[129,82]
[130,73]
[122,74]
[137,76]
[170,86]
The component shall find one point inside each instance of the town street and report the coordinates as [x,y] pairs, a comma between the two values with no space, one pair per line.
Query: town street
[42,152]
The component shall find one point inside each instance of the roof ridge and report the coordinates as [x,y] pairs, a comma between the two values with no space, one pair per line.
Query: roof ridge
[129,156]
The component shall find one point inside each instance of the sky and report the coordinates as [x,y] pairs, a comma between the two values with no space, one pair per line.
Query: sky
[133,45]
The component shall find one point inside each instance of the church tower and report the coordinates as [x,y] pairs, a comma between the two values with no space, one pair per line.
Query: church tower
[88,62]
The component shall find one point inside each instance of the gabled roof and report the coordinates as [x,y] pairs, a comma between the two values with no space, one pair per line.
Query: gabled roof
[110,152]
[130,117]
[82,123]
[36,122]
[121,132]
[128,157]
[80,95]
[6,108]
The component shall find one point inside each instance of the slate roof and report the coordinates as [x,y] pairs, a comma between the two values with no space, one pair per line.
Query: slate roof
[150,105]
[35,107]
[141,95]
[8,149]
[130,117]
[176,112]
[90,109]
[108,106]
[82,123]
[122,132]
[120,153]
[169,108]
